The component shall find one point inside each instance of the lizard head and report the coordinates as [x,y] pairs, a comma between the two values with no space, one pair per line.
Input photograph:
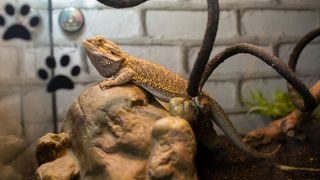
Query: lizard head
[106,56]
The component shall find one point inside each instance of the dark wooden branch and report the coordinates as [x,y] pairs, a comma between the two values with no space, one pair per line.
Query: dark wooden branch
[280,127]
[273,61]
[293,60]
[121,3]
[206,48]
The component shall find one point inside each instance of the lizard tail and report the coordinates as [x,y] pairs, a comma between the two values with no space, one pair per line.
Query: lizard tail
[224,123]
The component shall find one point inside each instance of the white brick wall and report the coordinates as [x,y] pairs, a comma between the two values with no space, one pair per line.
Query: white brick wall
[168,32]
[277,23]
[238,66]
[168,56]
[191,24]
[309,63]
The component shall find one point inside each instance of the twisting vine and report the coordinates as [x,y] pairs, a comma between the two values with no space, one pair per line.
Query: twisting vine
[293,60]
[273,61]
[206,48]
[202,69]
[122,3]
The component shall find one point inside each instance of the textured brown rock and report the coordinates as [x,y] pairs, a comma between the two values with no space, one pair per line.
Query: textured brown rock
[63,168]
[51,146]
[121,133]
[173,154]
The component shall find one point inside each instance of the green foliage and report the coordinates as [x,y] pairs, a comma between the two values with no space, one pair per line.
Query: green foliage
[279,107]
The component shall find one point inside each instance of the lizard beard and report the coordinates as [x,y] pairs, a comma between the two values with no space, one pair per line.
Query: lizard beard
[105,66]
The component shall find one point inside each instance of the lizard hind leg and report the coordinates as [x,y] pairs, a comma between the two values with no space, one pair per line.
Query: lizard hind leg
[183,108]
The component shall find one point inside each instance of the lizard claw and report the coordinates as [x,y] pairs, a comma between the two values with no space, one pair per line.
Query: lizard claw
[105,84]
[183,108]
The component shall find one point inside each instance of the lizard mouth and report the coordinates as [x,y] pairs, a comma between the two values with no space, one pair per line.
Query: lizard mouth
[95,50]
[88,45]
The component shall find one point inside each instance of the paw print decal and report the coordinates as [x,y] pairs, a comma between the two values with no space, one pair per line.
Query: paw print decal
[19,30]
[58,81]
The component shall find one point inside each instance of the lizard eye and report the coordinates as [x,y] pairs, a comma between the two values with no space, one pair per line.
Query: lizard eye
[100,41]
[113,53]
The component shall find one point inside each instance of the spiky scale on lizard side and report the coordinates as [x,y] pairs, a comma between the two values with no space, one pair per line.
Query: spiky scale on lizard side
[110,60]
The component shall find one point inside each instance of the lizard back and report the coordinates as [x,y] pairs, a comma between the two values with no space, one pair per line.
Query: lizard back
[158,80]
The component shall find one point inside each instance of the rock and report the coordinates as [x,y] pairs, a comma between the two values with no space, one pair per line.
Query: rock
[63,168]
[51,146]
[122,133]
[173,154]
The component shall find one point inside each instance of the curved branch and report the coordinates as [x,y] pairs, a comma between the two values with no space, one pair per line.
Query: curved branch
[293,60]
[206,48]
[309,101]
[121,3]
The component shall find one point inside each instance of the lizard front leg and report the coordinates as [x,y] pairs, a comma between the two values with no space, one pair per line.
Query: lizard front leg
[122,77]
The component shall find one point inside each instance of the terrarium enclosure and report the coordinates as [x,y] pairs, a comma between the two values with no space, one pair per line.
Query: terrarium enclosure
[44,67]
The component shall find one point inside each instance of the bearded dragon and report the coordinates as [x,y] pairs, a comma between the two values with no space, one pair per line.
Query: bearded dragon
[111,61]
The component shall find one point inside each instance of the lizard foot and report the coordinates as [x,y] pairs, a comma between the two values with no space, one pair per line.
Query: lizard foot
[107,83]
[183,108]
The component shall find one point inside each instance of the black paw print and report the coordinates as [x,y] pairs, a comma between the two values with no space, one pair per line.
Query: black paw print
[58,81]
[19,30]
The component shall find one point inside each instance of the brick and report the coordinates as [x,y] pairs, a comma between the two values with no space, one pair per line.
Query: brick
[241,65]
[76,3]
[3,3]
[10,115]
[310,80]
[35,59]
[300,1]
[35,130]
[109,23]
[167,56]
[162,1]
[41,34]
[8,63]
[65,99]
[187,24]
[234,1]
[37,106]
[94,74]
[36,4]
[223,92]
[266,86]
[273,23]
[18,19]
[93,4]
[38,110]
[308,63]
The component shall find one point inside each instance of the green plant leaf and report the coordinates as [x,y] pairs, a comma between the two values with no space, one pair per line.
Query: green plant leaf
[279,107]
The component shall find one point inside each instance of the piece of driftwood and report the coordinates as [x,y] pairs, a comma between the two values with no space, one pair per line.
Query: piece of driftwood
[282,126]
